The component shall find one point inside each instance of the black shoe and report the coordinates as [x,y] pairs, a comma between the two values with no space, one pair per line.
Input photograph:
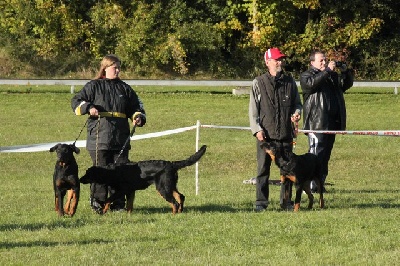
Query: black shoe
[96,206]
[288,207]
[260,208]
[118,209]
[118,206]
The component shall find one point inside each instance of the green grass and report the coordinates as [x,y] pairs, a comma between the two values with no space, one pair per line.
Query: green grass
[358,227]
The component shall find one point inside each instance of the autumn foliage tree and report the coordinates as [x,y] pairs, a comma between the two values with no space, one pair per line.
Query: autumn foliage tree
[195,39]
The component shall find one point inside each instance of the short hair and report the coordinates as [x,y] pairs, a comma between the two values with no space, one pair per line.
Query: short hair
[313,53]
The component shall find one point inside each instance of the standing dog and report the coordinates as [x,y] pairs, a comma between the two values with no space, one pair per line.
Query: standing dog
[129,177]
[301,170]
[65,179]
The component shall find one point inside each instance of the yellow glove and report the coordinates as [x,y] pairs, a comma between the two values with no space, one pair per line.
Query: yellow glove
[135,115]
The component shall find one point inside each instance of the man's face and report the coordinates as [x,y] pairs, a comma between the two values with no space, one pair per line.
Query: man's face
[274,66]
[319,62]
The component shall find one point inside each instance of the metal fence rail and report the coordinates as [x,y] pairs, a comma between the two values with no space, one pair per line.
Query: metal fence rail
[146,82]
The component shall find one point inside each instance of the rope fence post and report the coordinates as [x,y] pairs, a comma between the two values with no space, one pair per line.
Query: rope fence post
[198,125]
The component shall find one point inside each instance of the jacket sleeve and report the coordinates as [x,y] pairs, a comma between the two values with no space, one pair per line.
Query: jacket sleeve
[348,80]
[310,80]
[254,108]
[81,102]
[136,107]
[297,101]
[142,112]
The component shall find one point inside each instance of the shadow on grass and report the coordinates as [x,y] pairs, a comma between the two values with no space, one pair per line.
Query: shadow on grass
[8,245]
[366,191]
[62,223]
[357,194]
[188,209]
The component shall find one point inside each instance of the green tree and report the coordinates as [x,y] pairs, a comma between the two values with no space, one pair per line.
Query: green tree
[207,38]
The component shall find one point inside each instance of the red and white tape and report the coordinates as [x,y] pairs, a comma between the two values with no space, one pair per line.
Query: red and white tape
[388,133]
[82,143]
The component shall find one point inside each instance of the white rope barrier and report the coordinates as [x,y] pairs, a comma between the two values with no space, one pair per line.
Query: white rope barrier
[82,143]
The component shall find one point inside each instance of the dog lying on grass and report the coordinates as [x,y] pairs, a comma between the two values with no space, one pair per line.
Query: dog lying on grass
[65,178]
[301,170]
[129,177]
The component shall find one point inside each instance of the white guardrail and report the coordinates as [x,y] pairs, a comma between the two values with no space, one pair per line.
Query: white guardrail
[144,82]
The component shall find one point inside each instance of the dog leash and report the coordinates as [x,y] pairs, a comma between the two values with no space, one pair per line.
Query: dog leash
[295,132]
[97,140]
[135,115]
[126,142]
[80,132]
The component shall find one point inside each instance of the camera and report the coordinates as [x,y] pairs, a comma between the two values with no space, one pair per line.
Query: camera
[339,63]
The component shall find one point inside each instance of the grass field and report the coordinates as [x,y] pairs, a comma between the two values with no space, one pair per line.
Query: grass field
[359,226]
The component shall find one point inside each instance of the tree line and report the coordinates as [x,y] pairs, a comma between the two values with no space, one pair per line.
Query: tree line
[196,38]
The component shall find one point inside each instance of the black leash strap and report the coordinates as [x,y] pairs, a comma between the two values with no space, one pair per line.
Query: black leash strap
[126,142]
[295,126]
[80,132]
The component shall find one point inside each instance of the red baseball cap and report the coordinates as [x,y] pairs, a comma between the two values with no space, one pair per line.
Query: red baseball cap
[273,53]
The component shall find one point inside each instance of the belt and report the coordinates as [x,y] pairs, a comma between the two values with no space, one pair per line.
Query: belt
[112,114]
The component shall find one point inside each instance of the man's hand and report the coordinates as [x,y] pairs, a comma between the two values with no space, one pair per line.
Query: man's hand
[296,117]
[260,135]
[93,112]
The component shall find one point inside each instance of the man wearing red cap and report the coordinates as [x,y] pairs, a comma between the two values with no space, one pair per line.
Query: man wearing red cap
[274,105]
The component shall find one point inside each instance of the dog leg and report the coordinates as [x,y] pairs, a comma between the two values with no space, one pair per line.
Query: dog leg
[307,190]
[297,200]
[74,202]
[56,202]
[321,198]
[68,201]
[172,202]
[106,207]
[285,193]
[59,203]
[129,202]
[321,192]
[180,198]
[110,200]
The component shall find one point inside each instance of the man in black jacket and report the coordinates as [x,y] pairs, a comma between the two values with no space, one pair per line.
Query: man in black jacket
[274,105]
[323,104]
[110,103]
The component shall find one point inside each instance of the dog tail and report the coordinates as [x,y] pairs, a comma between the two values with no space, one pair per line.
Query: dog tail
[191,160]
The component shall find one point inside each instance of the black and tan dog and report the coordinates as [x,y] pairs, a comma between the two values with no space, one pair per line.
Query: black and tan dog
[301,170]
[129,177]
[65,179]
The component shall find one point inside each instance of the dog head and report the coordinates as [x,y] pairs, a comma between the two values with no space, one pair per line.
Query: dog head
[88,177]
[65,153]
[100,174]
[270,149]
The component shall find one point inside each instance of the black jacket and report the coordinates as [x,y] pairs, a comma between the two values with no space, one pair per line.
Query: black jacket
[323,102]
[273,101]
[108,95]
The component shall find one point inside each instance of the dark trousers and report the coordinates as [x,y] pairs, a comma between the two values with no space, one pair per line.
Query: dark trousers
[322,145]
[100,192]
[263,173]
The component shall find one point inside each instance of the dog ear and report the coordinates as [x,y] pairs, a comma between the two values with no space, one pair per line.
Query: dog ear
[55,147]
[265,145]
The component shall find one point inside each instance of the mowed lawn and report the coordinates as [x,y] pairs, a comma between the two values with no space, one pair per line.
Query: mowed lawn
[359,226]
